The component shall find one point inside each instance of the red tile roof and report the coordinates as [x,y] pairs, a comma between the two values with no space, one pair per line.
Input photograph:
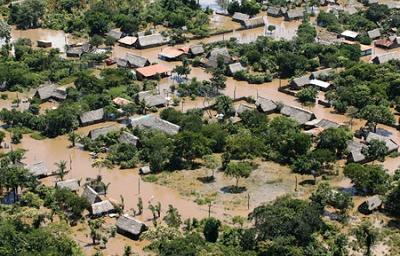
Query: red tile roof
[153,70]
[383,42]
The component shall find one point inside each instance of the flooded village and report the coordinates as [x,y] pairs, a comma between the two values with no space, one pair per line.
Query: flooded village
[244,128]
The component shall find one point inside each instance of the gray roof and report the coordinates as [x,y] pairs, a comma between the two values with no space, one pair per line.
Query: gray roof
[152,100]
[95,133]
[242,108]
[150,40]
[274,11]
[321,73]
[254,22]
[114,34]
[122,62]
[236,67]
[215,53]
[91,195]
[74,51]
[196,49]
[375,33]
[92,116]
[390,144]
[355,149]
[323,123]
[240,16]
[295,13]
[129,138]
[38,169]
[387,57]
[136,61]
[145,170]
[301,81]
[71,184]
[266,105]
[374,202]
[154,122]
[49,91]
[300,115]
[372,1]
[102,207]
[129,225]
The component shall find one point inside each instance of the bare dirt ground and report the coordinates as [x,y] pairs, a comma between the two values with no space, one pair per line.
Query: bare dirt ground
[267,182]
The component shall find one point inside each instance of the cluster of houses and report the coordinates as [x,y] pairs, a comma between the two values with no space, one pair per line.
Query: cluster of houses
[314,126]
[140,41]
[318,79]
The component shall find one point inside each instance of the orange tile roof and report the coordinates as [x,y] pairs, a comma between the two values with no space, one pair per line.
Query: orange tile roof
[185,49]
[121,101]
[171,52]
[153,70]
[128,40]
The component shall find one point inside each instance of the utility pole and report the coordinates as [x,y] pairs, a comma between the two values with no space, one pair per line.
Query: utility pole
[248,201]
[139,185]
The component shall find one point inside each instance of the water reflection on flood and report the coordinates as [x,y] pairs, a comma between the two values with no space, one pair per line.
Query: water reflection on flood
[56,37]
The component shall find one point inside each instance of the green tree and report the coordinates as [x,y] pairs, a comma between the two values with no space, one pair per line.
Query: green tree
[367,236]
[392,201]
[73,137]
[334,139]
[301,220]
[376,149]
[2,136]
[16,137]
[95,226]
[211,229]
[61,169]
[96,40]
[224,106]
[27,14]
[307,95]
[172,217]
[184,69]
[238,170]
[157,150]
[140,206]
[377,114]
[218,80]
[190,145]
[368,179]
[212,162]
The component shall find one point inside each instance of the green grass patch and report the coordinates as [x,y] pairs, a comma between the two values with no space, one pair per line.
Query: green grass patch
[150,178]
[37,136]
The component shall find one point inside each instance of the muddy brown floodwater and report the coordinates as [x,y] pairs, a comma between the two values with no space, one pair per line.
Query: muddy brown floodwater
[125,182]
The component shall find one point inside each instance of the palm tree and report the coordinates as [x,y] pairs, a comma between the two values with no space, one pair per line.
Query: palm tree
[105,187]
[73,137]
[61,169]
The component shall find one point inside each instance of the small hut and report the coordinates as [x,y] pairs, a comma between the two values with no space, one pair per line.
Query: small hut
[144,170]
[102,208]
[44,44]
[92,117]
[130,227]
[91,195]
[71,184]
